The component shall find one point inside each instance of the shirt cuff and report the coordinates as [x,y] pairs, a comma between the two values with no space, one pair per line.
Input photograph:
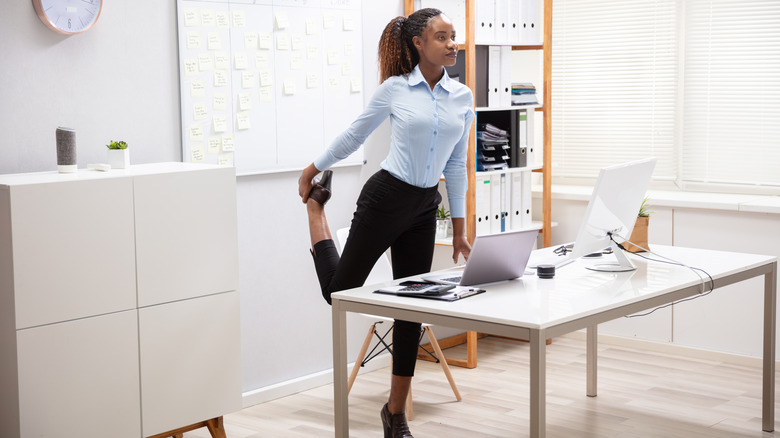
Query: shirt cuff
[457,208]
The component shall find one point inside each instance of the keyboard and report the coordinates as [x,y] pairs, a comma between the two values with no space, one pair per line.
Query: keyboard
[549,256]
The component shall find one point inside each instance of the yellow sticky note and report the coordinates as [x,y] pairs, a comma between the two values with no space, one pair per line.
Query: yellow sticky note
[242,120]
[190,67]
[282,41]
[355,86]
[213,41]
[312,26]
[193,40]
[196,133]
[261,60]
[205,62]
[239,61]
[220,78]
[312,80]
[333,83]
[312,51]
[266,94]
[264,40]
[197,88]
[349,23]
[221,61]
[190,17]
[239,19]
[219,102]
[219,123]
[296,61]
[296,41]
[199,111]
[207,18]
[250,40]
[288,87]
[244,101]
[281,20]
[247,79]
[349,48]
[227,143]
[197,153]
[225,159]
[333,57]
[346,68]
[214,144]
[328,21]
[223,22]
[266,78]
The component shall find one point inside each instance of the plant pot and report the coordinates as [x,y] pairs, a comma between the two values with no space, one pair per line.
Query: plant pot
[442,228]
[119,158]
[638,235]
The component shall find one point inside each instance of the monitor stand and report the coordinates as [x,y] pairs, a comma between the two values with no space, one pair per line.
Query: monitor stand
[623,263]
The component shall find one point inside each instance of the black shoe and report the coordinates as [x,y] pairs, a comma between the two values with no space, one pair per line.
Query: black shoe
[394,424]
[321,190]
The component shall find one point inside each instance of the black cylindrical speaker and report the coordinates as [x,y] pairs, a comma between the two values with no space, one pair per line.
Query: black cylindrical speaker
[66,150]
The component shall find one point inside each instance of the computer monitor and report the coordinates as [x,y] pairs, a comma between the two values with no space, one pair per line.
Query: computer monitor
[612,210]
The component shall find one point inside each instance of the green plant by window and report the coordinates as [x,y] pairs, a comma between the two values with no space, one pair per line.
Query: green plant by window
[643,209]
[117,145]
[442,213]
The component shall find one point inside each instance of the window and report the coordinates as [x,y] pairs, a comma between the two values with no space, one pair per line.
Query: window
[695,83]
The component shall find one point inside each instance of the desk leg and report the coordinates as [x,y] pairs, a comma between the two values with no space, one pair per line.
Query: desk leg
[538,384]
[340,402]
[592,360]
[770,303]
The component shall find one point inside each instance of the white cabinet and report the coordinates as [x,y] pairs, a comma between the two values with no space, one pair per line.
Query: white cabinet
[118,304]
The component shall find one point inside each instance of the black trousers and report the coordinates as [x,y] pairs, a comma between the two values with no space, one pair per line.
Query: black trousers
[390,214]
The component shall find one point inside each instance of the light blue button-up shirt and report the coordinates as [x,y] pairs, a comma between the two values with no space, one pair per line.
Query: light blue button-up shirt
[429,133]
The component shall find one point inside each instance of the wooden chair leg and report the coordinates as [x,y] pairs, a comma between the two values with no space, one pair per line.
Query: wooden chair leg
[360,357]
[216,427]
[442,361]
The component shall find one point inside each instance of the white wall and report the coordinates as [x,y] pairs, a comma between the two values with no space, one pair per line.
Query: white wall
[120,81]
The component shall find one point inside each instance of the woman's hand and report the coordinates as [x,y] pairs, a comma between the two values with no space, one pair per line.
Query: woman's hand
[460,245]
[305,183]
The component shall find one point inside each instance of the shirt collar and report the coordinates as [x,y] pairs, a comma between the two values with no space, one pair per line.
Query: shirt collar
[416,78]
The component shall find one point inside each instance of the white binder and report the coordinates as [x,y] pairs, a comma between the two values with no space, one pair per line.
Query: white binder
[505,89]
[495,204]
[530,22]
[482,194]
[520,201]
[494,76]
[484,27]
[506,189]
[502,20]
[515,21]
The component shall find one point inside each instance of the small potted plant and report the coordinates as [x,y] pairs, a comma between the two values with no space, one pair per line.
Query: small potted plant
[118,155]
[639,234]
[442,223]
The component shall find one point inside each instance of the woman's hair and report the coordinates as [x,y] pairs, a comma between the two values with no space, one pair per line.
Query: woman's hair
[397,54]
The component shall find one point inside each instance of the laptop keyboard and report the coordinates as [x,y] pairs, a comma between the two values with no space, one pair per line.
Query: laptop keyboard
[452,279]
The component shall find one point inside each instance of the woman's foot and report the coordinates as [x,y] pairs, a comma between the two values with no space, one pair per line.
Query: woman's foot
[321,190]
[395,425]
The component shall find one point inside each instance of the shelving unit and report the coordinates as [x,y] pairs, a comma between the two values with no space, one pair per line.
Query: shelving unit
[469,51]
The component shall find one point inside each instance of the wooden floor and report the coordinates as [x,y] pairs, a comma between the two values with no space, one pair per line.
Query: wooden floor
[641,394]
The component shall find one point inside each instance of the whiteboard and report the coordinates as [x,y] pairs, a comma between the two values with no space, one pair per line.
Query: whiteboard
[266,85]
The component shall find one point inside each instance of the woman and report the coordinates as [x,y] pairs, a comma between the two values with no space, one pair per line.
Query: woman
[431,116]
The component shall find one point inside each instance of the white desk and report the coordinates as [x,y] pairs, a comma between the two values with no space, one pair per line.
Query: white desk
[577,298]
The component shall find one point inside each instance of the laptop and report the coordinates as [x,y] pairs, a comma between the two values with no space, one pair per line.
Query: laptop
[494,257]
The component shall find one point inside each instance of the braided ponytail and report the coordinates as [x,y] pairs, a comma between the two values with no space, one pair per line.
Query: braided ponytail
[397,54]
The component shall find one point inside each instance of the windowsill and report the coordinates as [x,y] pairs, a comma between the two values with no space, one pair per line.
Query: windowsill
[674,199]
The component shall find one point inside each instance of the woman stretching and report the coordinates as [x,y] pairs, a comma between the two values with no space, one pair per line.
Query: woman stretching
[430,118]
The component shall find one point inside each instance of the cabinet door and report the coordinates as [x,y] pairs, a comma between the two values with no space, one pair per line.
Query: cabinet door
[80,378]
[73,250]
[186,235]
[190,361]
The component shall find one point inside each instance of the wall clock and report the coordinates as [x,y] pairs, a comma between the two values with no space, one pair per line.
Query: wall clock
[68,16]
